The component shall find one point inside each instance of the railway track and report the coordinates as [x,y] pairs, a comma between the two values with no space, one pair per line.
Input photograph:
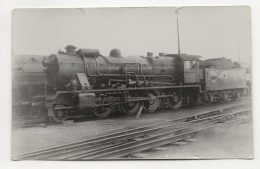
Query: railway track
[122,144]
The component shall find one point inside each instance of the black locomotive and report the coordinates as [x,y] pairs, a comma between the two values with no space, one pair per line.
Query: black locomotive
[83,82]
[29,83]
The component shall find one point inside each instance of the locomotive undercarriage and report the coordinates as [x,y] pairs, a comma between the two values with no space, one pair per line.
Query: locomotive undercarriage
[130,101]
[127,102]
[222,95]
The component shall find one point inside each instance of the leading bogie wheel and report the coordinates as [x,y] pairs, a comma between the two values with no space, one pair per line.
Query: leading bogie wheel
[60,115]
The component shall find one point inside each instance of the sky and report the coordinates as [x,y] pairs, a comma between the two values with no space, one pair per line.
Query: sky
[210,32]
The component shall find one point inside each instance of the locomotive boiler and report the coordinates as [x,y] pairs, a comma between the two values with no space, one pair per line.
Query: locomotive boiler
[103,72]
[84,82]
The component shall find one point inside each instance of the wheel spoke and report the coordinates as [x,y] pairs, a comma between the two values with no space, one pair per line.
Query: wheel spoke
[175,102]
[151,105]
[103,113]
[129,108]
[60,115]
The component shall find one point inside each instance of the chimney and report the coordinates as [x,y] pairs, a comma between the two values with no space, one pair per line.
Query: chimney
[161,54]
[71,50]
[149,54]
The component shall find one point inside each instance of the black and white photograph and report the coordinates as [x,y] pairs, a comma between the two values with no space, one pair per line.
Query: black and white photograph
[131,83]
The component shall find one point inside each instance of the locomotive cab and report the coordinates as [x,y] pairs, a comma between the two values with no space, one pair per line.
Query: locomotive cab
[190,69]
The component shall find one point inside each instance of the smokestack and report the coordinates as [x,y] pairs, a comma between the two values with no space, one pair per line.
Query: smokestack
[149,54]
[161,54]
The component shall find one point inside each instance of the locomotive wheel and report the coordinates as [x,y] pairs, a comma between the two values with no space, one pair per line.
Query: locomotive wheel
[175,102]
[60,115]
[130,108]
[103,112]
[235,96]
[211,98]
[119,109]
[193,99]
[151,105]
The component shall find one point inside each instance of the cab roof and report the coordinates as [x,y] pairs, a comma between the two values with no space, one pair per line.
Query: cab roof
[190,57]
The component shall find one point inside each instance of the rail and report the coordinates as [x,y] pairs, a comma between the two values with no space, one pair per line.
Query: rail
[120,144]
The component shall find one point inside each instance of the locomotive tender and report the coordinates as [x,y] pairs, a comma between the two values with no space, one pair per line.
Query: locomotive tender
[85,83]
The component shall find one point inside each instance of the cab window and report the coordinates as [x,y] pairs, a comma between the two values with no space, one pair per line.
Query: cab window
[190,65]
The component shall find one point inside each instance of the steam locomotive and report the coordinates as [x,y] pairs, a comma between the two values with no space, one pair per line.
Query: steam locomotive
[28,87]
[84,82]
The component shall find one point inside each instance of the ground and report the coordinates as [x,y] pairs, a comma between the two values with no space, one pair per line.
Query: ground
[229,141]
